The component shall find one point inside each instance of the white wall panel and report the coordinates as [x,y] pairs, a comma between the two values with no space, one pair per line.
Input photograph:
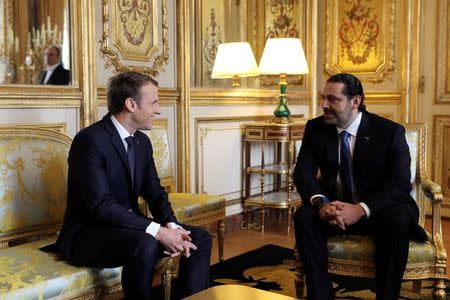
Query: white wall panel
[217,147]
[68,116]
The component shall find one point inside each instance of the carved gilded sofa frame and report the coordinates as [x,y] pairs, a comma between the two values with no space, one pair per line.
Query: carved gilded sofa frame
[353,255]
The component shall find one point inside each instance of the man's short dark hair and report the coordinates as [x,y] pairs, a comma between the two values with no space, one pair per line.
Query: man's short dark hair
[126,85]
[352,87]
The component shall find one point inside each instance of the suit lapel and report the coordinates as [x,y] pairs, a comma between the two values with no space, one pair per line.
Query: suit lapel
[332,150]
[117,142]
[363,143]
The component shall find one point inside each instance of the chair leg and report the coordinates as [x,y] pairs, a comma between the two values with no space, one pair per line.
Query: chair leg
[299,278]
[221,237]
[417,286]
[439,289]
[166,278]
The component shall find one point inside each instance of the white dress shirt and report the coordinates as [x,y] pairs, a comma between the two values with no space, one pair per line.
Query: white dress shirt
[352,129]
[49,72]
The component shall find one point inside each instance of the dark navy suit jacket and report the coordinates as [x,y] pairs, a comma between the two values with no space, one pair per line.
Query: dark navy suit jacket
[60,76]
[99,186]
[381,164]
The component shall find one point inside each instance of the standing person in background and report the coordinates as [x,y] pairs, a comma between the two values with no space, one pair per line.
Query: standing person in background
[55,73]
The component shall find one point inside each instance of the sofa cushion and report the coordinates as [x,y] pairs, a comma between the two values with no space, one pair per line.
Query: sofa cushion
[187,205]
[360,249]
[27,273]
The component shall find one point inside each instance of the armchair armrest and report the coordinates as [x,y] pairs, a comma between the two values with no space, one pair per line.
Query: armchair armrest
[432,190]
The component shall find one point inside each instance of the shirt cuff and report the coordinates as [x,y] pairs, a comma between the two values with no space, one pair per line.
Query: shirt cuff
[316,195]
[153,228]
[173,225]
[366,209]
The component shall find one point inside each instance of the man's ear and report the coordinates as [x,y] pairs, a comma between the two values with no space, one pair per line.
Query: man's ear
[356,101]
[129,104]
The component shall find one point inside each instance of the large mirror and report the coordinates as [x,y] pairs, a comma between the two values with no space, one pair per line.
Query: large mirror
[35,42]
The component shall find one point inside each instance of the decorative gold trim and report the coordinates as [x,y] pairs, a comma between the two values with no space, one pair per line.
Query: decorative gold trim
[440,123]
[413,57]
[184,85]
[260,96]
[166,95]
[114,62]
[332,44]
[58,127]
[442,77]
[87,52]
[243,96]
[38,92]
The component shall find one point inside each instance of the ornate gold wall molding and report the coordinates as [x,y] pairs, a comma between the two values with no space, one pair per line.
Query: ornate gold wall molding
[24,96]
[443,53]
[213,97]
[360,37]
[135,35]
[58,127]
[441,160]
[166,95]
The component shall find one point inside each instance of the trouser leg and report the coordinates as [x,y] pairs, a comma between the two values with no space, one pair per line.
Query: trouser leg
[136,251]
[392,235]
[311,239]
[194,271]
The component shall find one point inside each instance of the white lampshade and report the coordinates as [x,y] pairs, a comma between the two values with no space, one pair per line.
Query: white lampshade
[283,55]
[234,59]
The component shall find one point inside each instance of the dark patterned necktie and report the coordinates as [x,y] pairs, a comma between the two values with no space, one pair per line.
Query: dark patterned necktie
[130,155]
[345,167]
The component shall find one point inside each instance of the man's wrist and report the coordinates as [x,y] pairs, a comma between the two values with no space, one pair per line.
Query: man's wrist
[153,228]
[319,201]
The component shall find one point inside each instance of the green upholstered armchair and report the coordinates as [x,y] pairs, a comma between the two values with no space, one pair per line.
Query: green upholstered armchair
[353,255]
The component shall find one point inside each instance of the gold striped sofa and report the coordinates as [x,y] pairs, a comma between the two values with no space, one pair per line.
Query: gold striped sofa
[33,178]
[353,255]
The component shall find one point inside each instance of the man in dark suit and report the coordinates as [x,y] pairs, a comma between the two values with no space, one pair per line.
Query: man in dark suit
[55,73]
[364,187]
[110,165]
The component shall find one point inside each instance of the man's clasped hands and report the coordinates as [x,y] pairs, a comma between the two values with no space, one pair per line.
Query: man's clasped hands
[341,214]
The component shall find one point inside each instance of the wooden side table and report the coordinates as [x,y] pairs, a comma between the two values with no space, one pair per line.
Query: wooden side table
[284,196]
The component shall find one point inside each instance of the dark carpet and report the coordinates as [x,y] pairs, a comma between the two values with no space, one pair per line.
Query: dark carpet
[271,268]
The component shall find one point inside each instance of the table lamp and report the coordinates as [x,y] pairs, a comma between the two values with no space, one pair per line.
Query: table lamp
[234,60]
[282,56]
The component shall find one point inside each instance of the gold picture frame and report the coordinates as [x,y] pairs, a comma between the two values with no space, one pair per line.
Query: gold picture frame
[443,53]
[137,35]
[360,37]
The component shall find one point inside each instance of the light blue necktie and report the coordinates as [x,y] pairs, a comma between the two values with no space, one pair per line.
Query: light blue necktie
[345,168]
[130,155]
